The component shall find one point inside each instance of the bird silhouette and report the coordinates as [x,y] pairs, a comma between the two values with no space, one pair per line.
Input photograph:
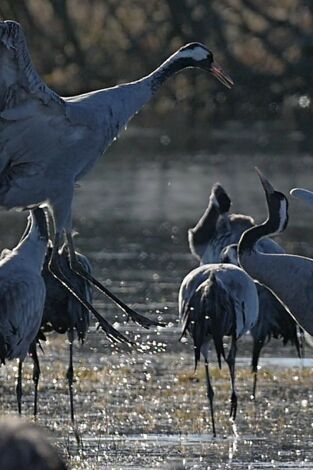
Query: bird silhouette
[49,142]
[217,300]
[289,277]
[22,295]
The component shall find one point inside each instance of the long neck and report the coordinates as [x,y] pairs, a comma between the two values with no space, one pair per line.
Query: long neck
[204,232]
[275,223]
[206,227]
[172,65]
[34,243]
[249,238]
[119,104]
[249,257]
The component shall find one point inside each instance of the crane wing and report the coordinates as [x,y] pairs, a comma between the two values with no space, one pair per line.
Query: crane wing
[19,81]
[20,313]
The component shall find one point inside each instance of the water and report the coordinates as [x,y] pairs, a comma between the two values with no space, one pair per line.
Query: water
[143,410]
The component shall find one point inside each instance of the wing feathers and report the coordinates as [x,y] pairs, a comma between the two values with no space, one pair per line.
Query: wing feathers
[18,77]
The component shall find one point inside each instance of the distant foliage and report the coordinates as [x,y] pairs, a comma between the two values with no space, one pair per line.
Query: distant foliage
[266,46]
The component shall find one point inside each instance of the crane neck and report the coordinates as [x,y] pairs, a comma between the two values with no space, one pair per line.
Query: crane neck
[251,236]
[35,239]
[275,223]
[170,67]
[206,227]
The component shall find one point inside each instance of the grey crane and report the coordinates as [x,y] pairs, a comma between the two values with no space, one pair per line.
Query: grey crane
[217,300]
[274,320]
[22,296]
[217,229]
[48,142]
[63,313]
[289,277]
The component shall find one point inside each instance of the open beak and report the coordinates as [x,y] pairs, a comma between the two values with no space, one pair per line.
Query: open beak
[268,188]
[221,76]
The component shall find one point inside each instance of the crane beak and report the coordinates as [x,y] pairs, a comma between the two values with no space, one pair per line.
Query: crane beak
[268,188]
[221,76]
[303,194]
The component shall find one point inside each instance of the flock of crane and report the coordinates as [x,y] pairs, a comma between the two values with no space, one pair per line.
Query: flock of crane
[245,282]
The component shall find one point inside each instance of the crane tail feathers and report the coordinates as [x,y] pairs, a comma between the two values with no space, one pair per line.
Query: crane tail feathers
[186,322]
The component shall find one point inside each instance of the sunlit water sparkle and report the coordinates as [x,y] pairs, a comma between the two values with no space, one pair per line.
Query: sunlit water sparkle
[141,409]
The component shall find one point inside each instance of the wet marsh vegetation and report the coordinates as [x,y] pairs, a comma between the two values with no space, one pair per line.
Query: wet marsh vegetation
[145,409]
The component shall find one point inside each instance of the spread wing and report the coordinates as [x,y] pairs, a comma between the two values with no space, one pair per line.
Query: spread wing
[20,83]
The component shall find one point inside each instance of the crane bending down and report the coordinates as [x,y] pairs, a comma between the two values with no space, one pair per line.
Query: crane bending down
[289,277]
[217,300]
[22,296]
[47,142]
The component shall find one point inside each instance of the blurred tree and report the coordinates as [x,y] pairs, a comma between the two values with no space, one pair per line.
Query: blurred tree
[266,46]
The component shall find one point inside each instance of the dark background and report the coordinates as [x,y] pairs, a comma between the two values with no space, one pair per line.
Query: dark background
[266,47]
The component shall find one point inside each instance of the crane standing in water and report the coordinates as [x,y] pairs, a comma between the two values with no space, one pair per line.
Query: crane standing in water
[22,296]
[217,300]
[62,312]
[48,142]
[289,277]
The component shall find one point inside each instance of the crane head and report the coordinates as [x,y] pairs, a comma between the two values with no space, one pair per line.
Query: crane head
[201,57]
[277,204]
[220,198]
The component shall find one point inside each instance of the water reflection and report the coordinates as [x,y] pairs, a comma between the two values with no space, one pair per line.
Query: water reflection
[140,410]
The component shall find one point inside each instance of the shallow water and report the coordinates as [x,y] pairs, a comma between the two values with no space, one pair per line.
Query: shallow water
[141,409]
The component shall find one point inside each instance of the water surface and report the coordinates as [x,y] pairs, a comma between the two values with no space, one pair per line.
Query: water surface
[141,409]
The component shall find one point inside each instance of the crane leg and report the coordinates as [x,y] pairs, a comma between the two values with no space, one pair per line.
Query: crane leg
[210,395]
[257,347]
[54,267]
[231,359]
[70,375]
[300,342]
[80,271]
[36,373]
[19,387]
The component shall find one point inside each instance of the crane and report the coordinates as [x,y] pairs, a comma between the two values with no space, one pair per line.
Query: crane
[274,320]
[48,142]
[62,312]
[289,277]
[22,295]
[217,300]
